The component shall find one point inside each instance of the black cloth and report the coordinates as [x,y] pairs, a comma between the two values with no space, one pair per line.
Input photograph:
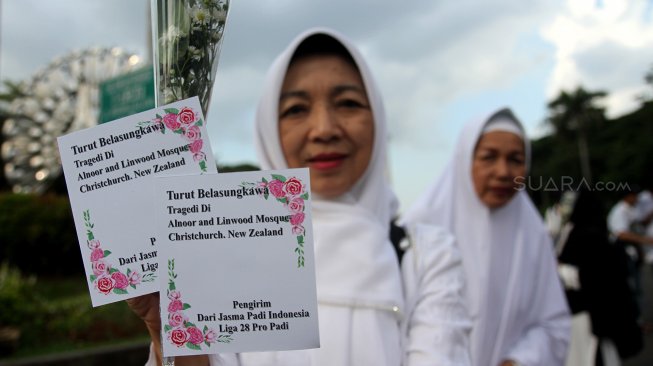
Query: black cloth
[397,234]
[606,289]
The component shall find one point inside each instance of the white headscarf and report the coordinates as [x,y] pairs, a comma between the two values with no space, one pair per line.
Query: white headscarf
[508,259]
[355,262]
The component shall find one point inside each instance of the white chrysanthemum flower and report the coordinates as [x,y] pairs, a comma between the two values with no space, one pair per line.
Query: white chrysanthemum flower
[173,34]
[200,15]
[219,15]
[195,53]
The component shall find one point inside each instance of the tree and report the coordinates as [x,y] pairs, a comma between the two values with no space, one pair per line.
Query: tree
[573,115]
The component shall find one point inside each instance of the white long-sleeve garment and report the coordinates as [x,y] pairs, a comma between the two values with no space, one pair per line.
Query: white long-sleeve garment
[514,296]
[436,324]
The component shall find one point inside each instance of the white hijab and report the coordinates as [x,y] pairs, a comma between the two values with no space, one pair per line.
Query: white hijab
[355,262]
[507,254]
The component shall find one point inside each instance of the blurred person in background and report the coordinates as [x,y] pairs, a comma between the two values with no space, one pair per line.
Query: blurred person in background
[514,295]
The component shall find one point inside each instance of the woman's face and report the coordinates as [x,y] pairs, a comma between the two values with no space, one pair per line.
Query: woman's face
[498,159]
[325,122]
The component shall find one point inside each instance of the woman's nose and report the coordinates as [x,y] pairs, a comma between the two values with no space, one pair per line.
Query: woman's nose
[324,124]
[503,168]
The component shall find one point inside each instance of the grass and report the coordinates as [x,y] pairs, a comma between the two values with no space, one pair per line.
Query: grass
[64,320]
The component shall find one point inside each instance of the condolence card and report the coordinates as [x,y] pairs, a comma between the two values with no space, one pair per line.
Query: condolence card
[110,172]
[236,260]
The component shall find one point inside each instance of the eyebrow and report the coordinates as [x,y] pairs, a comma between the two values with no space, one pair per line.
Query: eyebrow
[339,89]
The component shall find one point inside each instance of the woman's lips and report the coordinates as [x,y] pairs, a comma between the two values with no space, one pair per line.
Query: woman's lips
[326,161]
[503,191]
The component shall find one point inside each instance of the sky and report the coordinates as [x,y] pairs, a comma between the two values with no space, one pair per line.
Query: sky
[438,63]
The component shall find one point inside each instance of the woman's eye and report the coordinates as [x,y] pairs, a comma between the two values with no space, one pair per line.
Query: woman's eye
[293,110]
[350,103]
[485,157]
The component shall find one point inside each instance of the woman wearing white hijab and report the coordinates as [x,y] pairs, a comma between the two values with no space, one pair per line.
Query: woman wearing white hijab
[321,109]
[519,313]
[358,281]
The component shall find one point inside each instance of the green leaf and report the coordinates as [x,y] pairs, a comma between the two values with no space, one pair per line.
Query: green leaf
[207,343]
[282,200]
[112,270]
[199,123]
[133,286]
[203,165]
[92,278]
[193,346]
[224,338]
[119,291]
[300,239]
[304,196]
[186,306]
[158,116]
[279,177]
[189,324]
[264,180]
[179,131]
[107,253]
[205,329]
[89,235]
[167,328]
[171,110]
[171,286]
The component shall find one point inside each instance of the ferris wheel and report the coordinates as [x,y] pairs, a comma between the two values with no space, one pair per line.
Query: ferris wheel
[59,99]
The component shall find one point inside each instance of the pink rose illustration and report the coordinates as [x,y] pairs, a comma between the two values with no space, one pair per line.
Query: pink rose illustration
[178,337]
[297,218]
[170,120]
[174,295]
[93,244]
[134,278]
[199,156]
[175,305]
[186,116]
[120,280]
[100,267]
[195,335]
[104,284]
[97,254]
[276,188]
[298,230]
[210,336]
[193,133]
[296,205]
[196,146]
[176,319]
[293,186]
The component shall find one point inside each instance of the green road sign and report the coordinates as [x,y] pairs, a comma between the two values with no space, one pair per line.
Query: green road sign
[126,94]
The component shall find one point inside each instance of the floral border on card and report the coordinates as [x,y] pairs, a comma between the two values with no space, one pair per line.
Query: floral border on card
[292,194]
[185,122]
[179,330]
[105,278]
